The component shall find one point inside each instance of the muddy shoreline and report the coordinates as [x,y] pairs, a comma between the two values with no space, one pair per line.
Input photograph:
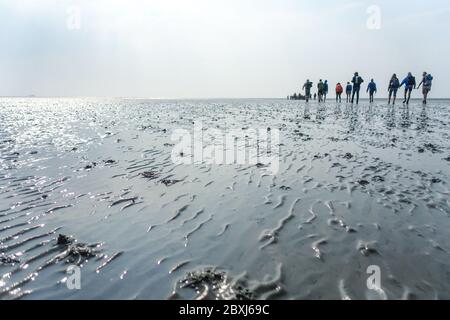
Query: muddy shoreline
[357,186]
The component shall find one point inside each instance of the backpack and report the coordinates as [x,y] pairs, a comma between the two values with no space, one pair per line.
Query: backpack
[411,81]
[339,88]
[320,86]
[428,80]
[396,83]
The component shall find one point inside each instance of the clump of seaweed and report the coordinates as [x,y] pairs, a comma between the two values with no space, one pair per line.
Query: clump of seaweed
[75,252]
[8,260]
[150,175]
[169,182]
[212,284]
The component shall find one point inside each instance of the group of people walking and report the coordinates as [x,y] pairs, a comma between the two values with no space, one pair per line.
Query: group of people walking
[353,88]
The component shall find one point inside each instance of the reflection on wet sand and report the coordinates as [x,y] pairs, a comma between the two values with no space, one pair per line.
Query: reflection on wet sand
[90,182]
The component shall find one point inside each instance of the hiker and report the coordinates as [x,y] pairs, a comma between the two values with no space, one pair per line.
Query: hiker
[320,90]
[357,81]
[410,84]
[325,90]
[371,88]
[339,91]
[307,87]
[427,81]
[348,91]
[394,84]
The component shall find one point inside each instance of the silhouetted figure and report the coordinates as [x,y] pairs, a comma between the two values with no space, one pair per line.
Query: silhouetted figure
[320,90]
[348,91]
[427,81]
[307,87]
[410,84]
[339,91]
[394,84]
[371,89]
[325,90]
[357,82]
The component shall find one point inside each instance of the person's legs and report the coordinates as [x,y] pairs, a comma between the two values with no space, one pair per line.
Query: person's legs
[357,96]
[425,95]
[409,95]
[406,93]
[390,95]
[353,95]
[395,96]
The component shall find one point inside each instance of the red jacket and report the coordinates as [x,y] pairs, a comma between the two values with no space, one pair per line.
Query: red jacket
[339,88]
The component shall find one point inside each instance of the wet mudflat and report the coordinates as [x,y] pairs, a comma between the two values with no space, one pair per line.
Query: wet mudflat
[91,182]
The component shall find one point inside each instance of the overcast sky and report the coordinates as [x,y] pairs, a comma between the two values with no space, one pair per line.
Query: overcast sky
[216,48]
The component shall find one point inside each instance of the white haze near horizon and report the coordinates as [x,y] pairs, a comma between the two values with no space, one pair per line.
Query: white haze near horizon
[215,48]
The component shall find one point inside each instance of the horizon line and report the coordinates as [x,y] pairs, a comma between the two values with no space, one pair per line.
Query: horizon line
[190,98]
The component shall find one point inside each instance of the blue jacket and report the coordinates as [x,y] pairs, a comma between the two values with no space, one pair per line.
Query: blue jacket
[407,80]
[325,86]
[372,87]
[349,88]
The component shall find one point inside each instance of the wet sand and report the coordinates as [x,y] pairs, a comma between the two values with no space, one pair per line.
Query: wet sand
[357,186]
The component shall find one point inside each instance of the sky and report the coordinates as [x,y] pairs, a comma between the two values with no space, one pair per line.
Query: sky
[216,48]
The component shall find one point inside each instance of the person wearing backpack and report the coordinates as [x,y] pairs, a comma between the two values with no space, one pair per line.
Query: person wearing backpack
[325,90]
[339,91]
[427,82]
[348,91]
[410,84]
[307,87]
[320,90]
[357,82]
[394,84]
[372,89]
